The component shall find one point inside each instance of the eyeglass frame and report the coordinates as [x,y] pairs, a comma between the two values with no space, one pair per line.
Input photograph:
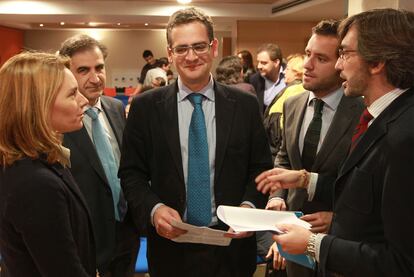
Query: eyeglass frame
[342,53]
[188,47]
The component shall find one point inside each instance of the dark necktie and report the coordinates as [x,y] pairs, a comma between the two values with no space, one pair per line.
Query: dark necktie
[106,156]
[311,140]
[361,128]
[198,183]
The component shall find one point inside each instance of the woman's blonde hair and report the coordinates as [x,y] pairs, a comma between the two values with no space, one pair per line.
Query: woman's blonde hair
[295,62]
[29,83]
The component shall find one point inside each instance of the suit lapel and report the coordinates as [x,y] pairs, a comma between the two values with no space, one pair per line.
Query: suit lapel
[115,120]
[377,130]
[299,108]
[339,125]
[82,140]
[168,115]
[225,107]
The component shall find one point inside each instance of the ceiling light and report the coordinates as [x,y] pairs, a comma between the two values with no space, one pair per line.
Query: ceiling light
[41,25]
[62,23]
[184,1]
[146,24]
[119,24]
[93,24]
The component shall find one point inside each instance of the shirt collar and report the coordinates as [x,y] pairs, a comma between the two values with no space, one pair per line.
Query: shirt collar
[270,83]
[207,91]
[331,100]
[379,105]
[98,105]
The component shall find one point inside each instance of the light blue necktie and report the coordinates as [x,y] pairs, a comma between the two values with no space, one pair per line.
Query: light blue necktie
[198,183]
[106,155]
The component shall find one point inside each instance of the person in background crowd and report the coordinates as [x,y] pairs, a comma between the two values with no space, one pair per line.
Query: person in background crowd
[150,64]
[269,81]
[45,227]
[188,148]
[273,117]
[372,228]
[95,154]
[230,72]
[247,63]
[155,74]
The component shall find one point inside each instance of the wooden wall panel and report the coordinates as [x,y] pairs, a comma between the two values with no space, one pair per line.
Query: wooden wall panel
[12,43]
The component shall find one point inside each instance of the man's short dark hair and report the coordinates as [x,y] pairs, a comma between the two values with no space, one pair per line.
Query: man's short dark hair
[162,62]
[80,43]
[326,27]
[189,15]
[273,50]
[147,53]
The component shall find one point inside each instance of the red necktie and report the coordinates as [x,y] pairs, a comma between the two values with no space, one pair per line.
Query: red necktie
[361,128]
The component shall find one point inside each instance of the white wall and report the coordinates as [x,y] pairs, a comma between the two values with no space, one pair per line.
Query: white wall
[125,49]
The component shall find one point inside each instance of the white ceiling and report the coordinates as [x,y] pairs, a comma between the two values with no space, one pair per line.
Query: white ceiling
[132,14]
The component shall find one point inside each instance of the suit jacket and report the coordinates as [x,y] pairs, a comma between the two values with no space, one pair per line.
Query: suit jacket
[258,82]
[333,151]
[151,166]
[45,227]
[90,175]
[372,227]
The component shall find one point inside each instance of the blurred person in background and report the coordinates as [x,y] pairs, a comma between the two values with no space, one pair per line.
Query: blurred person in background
[247,63]
[230,72]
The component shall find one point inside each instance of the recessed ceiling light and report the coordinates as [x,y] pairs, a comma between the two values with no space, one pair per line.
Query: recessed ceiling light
[184,1]
[146,24]
[62,23]
[93,24]
[119,24]
[41,25]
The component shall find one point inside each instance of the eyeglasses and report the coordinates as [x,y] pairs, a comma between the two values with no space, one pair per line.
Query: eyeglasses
[198,48]
[344,54]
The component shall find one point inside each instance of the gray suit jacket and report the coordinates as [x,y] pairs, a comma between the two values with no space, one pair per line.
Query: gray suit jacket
[88,172]
[333,151]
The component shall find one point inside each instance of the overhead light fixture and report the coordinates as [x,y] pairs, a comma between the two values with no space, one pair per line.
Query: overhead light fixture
[146,24]
[93,24]
[184,1]
[41,25]
[119,24]
[62,23]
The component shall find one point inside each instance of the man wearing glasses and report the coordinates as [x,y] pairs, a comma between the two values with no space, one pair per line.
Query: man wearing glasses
[372,227]
[188,148]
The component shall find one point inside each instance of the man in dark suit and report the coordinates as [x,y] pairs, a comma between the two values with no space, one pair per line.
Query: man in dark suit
[372,227]
[269,80]
[340,115]
[116,238]
[157,160]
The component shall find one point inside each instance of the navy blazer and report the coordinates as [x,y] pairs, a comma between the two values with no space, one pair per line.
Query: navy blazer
[45,228]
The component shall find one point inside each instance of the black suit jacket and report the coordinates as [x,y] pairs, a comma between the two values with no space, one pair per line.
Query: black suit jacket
[372,231]
[45,228]
[90,175]
[151,166]
[258,82]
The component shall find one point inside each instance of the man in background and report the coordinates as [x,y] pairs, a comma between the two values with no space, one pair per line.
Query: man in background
[269,80]
[150,64]
[95,153]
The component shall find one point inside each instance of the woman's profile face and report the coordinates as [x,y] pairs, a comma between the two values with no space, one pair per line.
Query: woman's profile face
[67,110]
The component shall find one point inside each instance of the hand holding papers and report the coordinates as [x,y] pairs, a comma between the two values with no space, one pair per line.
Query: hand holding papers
[243,220]
[202,235]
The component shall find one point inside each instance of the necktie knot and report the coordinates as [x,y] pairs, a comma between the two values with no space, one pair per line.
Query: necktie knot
[92,113]
[195,98]
[318,106]
[365,117]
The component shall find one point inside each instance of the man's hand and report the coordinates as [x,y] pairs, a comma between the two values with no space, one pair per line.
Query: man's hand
[276,204]
[294,240]
[320,221]
[163,217]
[279,263]
[280,178]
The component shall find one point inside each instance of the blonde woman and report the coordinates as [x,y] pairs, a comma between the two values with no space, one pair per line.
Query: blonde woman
[45,229]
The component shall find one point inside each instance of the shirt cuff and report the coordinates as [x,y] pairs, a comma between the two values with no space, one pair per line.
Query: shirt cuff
[312,185]
[249,204]
[153,212]
[318,241]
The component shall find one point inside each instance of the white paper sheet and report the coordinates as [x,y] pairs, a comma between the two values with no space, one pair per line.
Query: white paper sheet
[244,219]
[202,235]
